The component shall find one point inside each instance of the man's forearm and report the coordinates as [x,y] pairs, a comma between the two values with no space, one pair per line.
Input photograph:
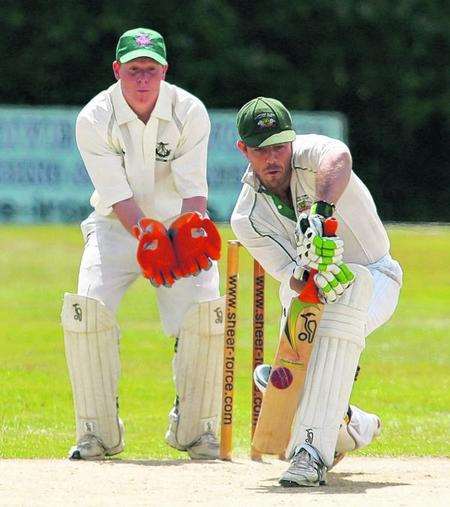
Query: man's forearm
[128,212]
[333,176]
[197,203]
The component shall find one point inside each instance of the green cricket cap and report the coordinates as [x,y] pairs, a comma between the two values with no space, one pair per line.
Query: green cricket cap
[263,122]
[141,42]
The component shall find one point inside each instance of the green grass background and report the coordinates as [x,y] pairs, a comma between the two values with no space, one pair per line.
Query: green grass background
[405,367]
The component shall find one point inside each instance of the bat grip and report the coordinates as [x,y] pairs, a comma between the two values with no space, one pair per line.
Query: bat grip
[309,294]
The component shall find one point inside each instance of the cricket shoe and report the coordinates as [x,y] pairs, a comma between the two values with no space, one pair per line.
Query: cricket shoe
[90,447]
[261,376]
[206,448]
[306,469]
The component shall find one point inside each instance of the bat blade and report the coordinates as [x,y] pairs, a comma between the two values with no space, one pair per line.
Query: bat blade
[287,377]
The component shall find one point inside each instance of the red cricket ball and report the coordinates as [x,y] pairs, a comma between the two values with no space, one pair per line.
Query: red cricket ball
[281,377]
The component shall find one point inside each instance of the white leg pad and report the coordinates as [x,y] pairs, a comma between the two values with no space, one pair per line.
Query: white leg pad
[331,370]
[198,374]
[358,432]
[91,337]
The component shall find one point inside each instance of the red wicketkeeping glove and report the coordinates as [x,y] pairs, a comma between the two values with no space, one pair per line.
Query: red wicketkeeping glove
[155,253]
[196,241]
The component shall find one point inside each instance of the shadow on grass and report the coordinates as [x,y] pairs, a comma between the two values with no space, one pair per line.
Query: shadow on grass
[337,484]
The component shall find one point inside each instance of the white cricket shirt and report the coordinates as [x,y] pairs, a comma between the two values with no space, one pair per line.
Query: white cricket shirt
[266,227]
[158,164]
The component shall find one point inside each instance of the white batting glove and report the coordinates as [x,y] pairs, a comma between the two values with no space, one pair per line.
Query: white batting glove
[315,251]
[334,282]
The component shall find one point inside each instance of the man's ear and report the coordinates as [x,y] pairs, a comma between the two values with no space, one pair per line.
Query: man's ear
[241,146]
[166,67]
[116,69]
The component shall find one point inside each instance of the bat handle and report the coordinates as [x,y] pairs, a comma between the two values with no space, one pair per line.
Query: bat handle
[309,293]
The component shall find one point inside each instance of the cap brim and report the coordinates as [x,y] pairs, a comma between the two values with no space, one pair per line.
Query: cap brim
[287,136]
[140,53]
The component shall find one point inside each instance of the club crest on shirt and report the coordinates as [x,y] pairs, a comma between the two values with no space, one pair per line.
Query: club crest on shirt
[266,120]
[162,152]
[303,202]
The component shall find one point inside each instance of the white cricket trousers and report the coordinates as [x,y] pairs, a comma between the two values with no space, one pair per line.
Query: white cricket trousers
[109,266]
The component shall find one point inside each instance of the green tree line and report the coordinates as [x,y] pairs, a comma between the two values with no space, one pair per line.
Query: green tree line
[384,64]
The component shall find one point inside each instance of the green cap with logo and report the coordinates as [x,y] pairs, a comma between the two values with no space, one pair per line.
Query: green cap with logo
[141,42]
[263,122]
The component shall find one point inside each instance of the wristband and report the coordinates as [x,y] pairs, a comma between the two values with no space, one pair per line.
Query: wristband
[322,208]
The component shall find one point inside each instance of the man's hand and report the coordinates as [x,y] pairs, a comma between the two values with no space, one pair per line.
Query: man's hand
[315,251]
[196,242]
[333,282]
[155,253]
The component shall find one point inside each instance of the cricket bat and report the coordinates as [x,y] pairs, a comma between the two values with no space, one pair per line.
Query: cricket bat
[287,377]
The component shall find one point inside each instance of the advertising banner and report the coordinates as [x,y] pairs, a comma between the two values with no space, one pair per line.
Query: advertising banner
[43,179]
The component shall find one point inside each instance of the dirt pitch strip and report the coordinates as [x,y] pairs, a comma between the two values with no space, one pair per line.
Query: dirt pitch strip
[355,482]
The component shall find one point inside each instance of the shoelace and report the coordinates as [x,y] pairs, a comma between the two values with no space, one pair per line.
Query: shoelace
[89,441]
[299,460]
[210,438]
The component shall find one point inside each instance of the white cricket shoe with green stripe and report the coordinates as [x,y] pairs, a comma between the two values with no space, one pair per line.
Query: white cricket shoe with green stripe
[306,469]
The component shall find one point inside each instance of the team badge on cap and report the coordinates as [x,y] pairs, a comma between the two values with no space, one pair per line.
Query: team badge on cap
[143,40]
[266,120]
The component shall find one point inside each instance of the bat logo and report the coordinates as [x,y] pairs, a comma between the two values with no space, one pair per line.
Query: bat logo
[78,312]
[309,436]
[310,326]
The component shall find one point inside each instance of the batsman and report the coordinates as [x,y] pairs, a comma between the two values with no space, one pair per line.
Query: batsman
[144,144]
[294,187]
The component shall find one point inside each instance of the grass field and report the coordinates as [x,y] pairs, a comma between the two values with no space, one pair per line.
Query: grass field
[405,375]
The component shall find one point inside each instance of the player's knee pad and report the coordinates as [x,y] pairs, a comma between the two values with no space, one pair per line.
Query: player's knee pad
[91,337]
[329,380]
[198,374]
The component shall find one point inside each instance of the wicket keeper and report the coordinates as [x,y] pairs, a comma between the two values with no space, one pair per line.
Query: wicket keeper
[144,144]
[293,183]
